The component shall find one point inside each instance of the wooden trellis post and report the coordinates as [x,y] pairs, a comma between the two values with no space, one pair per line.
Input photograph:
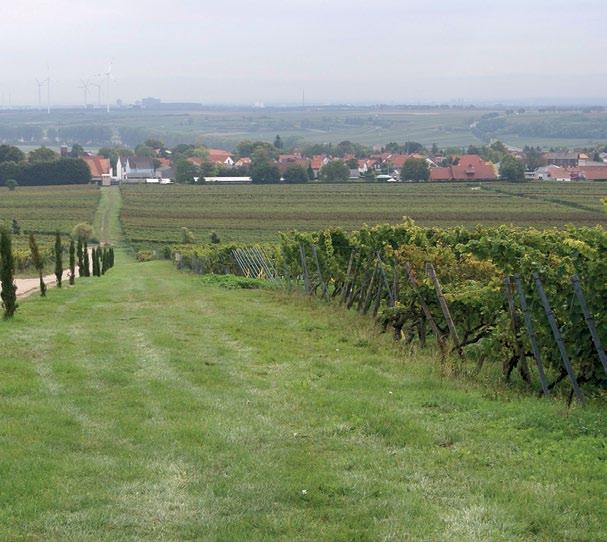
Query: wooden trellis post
[557,337]
[325,291]
[427,313]
[532,336]
[445,308]
[579,293]
[516,330]
[304,266]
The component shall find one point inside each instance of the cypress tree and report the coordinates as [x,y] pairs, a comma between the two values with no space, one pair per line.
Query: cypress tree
[8,291]
[103,261]
[86,261]
[58,259]
[72,262]
[38,263]
[80,255]
[111,257]
[94,258]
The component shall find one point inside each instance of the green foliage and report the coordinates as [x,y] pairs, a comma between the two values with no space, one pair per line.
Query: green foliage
[263,171]
[86,261]
[58,259]
[82,232]
[187,236]
[471,265]
[185,171]
[15,228]
[43,154]
[278,142]
[334,171]
[145,255]
[37,262]
[8,290]
[8,153]
[11,184]
[295,174]
[214,238]
[512,170]
[72,254]
[415,169]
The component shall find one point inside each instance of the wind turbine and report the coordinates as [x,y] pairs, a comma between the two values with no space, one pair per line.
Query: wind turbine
[98,86]
[40,85]
[85,86]
[108,79]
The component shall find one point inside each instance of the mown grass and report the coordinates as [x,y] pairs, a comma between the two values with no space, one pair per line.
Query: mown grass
[153,405]
[156,214]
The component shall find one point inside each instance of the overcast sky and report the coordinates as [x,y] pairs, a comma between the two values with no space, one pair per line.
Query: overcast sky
[340,51]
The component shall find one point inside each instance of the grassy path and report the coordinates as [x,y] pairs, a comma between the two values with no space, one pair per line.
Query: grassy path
[155,405]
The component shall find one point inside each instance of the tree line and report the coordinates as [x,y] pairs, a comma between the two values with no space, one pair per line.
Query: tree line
[40,167]
[87,263]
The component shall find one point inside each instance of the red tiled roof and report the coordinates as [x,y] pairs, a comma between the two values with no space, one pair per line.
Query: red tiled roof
[473,167]
[591,173]
[218,155]
[98,165]
[470,167]
[441,174]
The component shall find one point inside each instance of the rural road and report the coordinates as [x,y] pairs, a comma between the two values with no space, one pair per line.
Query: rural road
[26,287]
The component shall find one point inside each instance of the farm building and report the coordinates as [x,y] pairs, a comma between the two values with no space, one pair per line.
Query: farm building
[470,167]
[100,167]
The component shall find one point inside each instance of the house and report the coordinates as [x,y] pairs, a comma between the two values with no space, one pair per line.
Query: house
[220,157]
[471,167]
[317,162]
[133,169]
[563,159]
[245,161]
[589,173]
[553,173]
[100,167]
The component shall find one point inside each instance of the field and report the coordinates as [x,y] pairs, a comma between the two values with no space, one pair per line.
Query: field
[45,210]
[197,411]
[155,214]
[151,404]
[371,125]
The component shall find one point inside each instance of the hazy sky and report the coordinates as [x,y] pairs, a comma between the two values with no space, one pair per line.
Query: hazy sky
[237,51]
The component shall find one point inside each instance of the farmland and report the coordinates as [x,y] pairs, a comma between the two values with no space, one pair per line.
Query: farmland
[45,210]
[370,125]
[153,215]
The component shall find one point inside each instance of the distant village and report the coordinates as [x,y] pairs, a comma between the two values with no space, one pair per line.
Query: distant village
[262,162]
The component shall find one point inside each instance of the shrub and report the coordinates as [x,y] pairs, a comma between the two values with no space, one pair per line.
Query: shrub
[8,292]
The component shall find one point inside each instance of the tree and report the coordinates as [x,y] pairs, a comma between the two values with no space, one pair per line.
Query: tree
[512,170]
[264,172]
[80,256]
[72,262]
[278,143]
[38,263]
[187,237]
[11,184]
[77,151]
[58,259]
[334,171]
[144,151]
[415,169]
[185,171]
[43,154]
[15,228]
[533,158]
[295,174]
[8,290]
[8,153]
[434,150]
[82,232]
[215,240]
[86,260]
[411,147]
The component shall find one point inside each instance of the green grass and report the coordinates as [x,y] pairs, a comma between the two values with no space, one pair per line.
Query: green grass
[153,405]
[155,214]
